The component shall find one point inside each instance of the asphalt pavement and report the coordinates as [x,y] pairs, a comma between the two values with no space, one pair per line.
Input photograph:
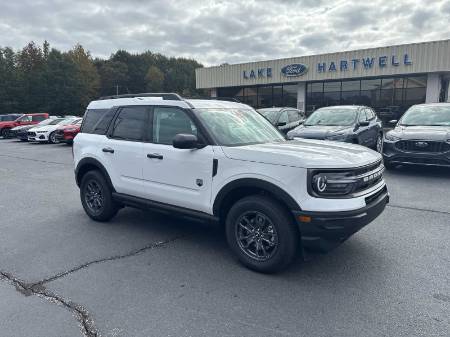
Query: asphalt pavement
[149,274]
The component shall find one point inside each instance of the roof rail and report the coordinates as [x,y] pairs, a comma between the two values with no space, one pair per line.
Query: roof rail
[228,99]
[165,96]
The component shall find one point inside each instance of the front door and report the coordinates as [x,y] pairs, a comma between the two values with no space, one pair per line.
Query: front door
[180,177]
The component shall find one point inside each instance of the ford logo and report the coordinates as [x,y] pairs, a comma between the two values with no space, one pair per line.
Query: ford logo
[294,70]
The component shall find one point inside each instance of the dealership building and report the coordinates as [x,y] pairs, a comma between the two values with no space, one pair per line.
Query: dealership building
[393,77]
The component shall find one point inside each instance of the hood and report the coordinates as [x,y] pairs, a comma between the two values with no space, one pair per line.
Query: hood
[47,128]
[305,153]
[436,133]
[23,127]
[318,131]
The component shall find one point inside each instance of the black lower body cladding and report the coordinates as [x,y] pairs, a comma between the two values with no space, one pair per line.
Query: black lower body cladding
[323,231]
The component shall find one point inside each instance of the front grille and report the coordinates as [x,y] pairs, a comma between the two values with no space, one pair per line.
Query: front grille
[32,134]
[423,146]
[369,176]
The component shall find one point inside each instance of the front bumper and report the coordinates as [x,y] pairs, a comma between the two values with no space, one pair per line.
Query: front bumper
[323,231]
[38,137]
[393,155]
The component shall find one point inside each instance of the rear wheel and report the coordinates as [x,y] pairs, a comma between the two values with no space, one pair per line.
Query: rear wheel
[96,197]
[261,234]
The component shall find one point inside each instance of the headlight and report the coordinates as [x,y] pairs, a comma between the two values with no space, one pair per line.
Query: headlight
[390,137]
[333,184]
[41,131]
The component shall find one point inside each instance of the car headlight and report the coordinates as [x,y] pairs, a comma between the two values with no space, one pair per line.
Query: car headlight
[390,137]
[41,131]
[333,183]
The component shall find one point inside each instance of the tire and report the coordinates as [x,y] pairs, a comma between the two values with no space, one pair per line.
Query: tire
[276,227]
[6,133]
[52,138]
[379,143]
[388,165]
[96,197]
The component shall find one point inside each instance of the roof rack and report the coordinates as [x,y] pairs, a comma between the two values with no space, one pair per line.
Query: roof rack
[165,96]
[228,99]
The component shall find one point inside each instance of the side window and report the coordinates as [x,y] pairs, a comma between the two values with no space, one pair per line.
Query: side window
[362,115]
[25,119]
[293,116]
[92,117]
[283,117]
[168,122]
[129,124]
[38,118]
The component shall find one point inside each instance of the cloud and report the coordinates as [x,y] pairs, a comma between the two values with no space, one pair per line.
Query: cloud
[219,31]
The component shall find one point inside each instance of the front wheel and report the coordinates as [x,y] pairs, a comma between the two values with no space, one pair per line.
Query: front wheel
[261,234]
[6,133]
[52,138]
[96,197]
[379,144]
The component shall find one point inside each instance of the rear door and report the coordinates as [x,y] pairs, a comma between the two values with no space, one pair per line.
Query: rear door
[122,151]
[180,177]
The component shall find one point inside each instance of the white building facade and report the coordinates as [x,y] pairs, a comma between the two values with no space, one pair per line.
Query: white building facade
[393,77]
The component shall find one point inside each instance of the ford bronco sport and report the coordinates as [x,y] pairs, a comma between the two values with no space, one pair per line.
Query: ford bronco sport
[222,161]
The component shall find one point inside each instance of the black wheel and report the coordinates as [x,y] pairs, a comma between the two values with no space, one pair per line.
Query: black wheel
[388,165]
[96,197]
[379,144]
[52,138]
[261,234]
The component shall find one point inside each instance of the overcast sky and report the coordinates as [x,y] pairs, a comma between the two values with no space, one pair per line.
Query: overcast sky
[216,31]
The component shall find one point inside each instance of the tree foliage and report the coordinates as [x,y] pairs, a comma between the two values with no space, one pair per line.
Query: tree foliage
[43,79]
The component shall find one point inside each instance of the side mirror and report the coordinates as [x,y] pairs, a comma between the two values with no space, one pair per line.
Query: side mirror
[185,141]
[393,122]
[281,123]
[364,123]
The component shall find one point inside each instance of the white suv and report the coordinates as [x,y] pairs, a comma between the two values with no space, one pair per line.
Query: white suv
[222,161]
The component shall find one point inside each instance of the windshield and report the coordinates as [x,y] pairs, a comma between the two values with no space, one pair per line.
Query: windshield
[231,127]
[335,117]
[270,114]
[427,116]
[46,121]
[56,121]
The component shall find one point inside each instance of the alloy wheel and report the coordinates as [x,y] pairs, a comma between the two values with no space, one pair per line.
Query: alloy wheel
[380,144]
[256,235]
[94,196]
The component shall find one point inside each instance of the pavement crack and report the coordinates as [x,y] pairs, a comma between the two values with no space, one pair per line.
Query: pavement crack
[107,259]
[83,317]
[35,160]
[418,209]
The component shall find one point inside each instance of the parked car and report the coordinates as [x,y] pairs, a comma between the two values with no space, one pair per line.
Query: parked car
[347,123]
[27,119]
[47,133]
[66,133]
[9,117]
[222,161]
[285,119]
[21,132]
[421,137]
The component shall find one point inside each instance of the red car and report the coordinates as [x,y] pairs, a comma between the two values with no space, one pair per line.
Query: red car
[26,119]
[67,133]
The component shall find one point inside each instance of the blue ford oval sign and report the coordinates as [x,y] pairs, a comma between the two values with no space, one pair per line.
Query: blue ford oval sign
[294,70]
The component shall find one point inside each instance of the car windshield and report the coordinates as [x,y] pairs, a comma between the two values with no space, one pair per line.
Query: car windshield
[431,115]
[233,127]
[56,121]
[46,121]
[332,117]
[270,114]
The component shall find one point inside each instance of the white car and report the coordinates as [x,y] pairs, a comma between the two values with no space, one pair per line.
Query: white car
[222,161]
[47,133]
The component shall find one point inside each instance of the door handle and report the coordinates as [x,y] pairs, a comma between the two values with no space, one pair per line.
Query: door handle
[108,149]
[155,156]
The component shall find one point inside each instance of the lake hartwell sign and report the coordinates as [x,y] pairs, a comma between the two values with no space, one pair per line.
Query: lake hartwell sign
[366,63]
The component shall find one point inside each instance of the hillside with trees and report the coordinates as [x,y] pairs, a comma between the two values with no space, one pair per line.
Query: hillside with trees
[43,79]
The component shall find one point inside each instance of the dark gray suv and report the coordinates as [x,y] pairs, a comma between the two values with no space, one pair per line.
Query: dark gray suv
[347,123]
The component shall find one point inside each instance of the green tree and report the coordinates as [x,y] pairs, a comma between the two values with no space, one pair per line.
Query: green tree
[154,79]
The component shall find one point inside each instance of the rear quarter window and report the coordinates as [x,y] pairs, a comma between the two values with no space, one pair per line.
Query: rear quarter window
[96,121]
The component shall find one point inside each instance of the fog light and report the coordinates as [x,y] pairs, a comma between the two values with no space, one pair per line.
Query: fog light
[304,218]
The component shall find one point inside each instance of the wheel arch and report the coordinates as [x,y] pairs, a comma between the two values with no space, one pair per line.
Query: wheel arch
[243,187]
[88,164]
